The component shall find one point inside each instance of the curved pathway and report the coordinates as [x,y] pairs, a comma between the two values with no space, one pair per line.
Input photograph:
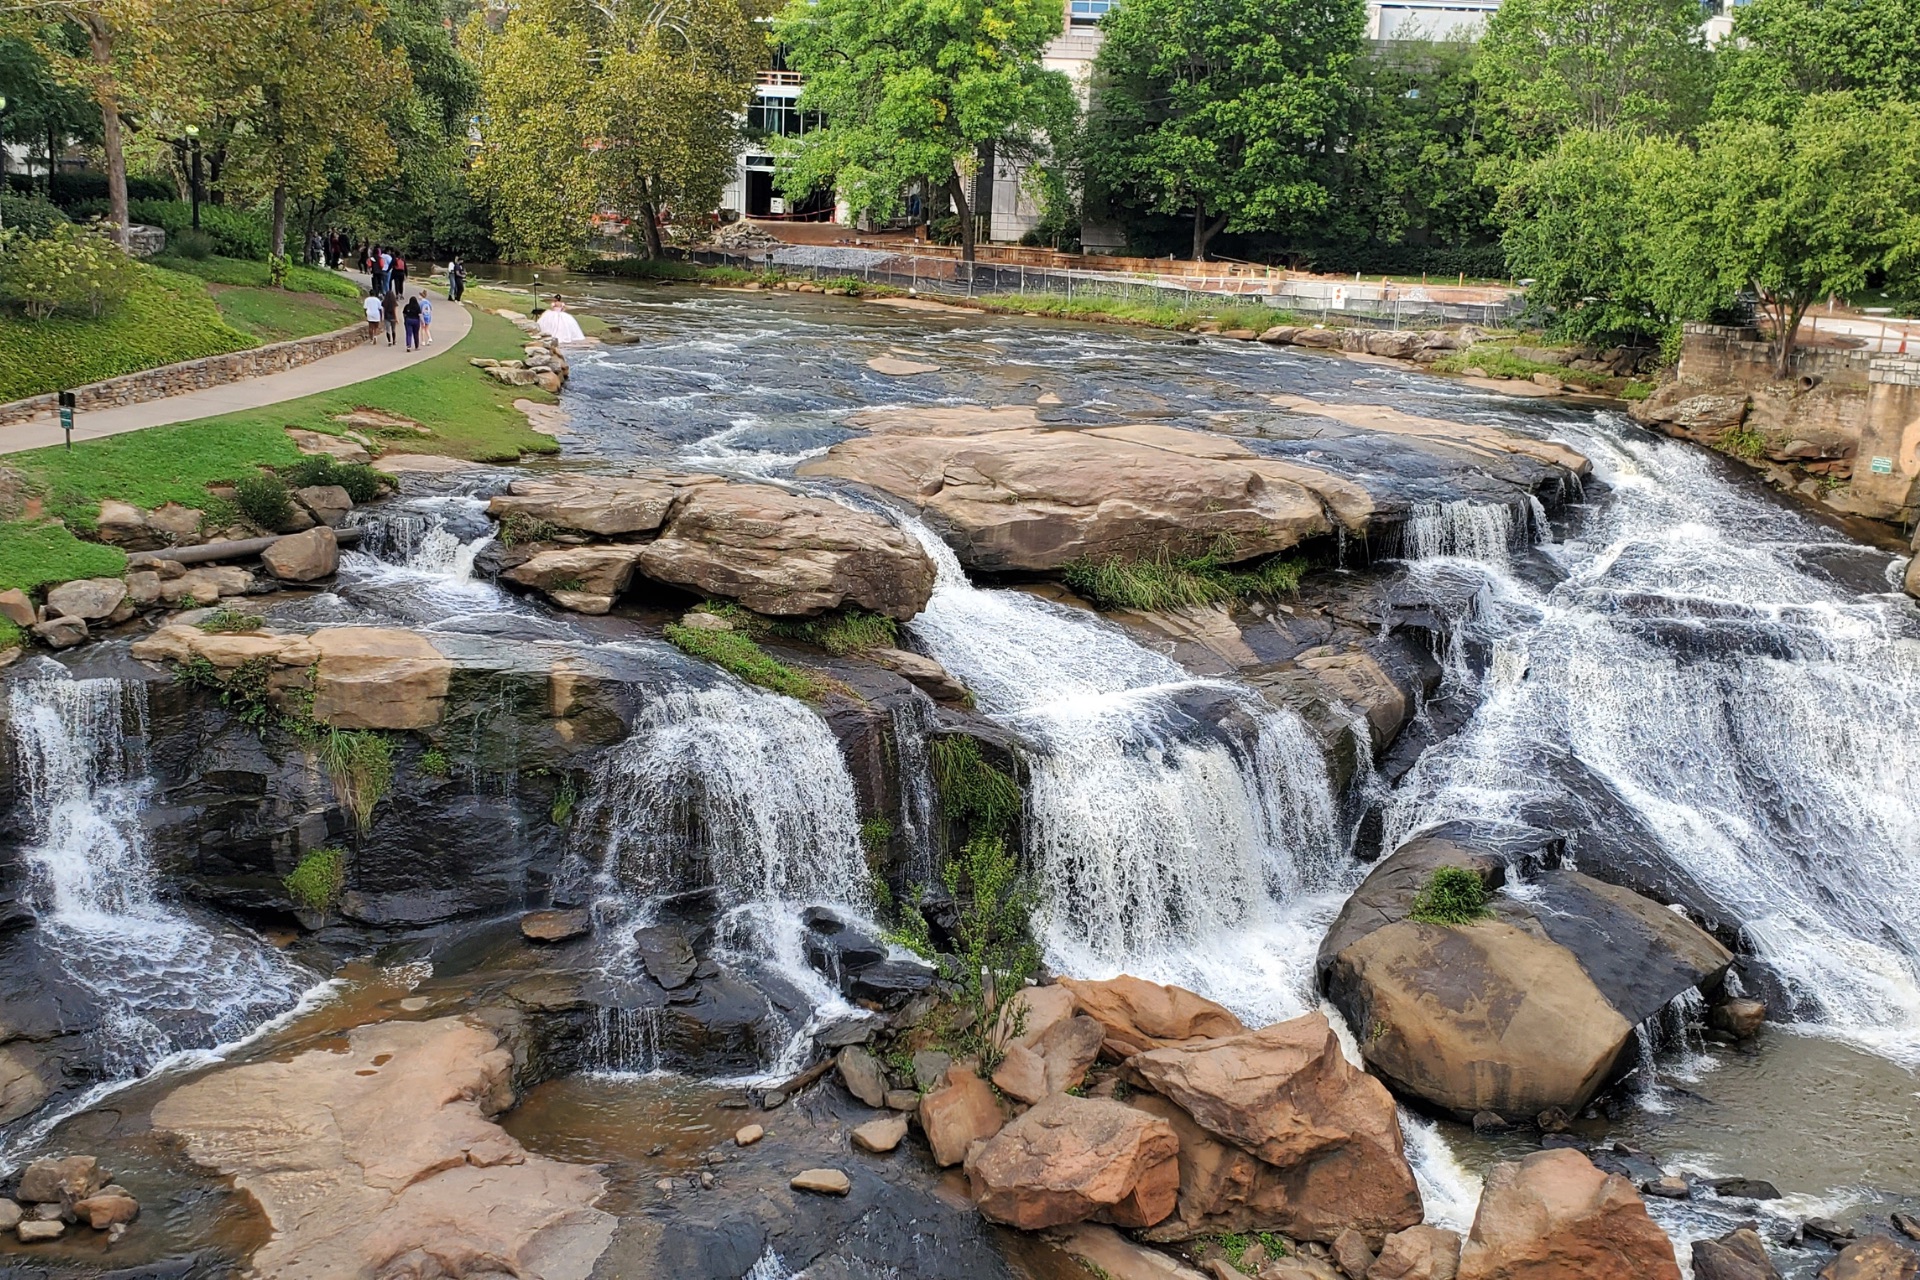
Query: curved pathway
[451,323]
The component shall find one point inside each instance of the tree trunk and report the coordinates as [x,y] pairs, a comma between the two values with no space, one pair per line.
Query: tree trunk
[650,230]
[106,93]
[279,219]
[957,188]
[1786,312]
[1204,231]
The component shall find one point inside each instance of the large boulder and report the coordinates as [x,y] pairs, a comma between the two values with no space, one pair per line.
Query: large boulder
[378,678]
[1685,409]
[383,1160]
[1534,1007]
[88,599]
[583,579]
[1321,1140]
[304,557]
[1068,1159]
[1053,1063]
[1553,1216]
[961,1112]
[1418,1253]
[1011,493]
[1140,1015]
[785,554]
[1874,1258]
[603,505]
[1738,1255]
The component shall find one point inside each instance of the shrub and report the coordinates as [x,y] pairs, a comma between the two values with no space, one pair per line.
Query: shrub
[736,651]
[71,188]
[316,883]
[235,233]
[434,763]
[31,216]
[972,791]
[248,692]
[1168,583]
[263,499]
[71,269]
[1451,895]
[196,246]
[362,482]
[1741,442]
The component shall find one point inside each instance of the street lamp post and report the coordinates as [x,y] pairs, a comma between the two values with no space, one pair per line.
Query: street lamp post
[193,173]
[3,111]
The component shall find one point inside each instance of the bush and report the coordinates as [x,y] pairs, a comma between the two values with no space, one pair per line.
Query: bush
[316,883]
[1167,583]
[195,246]
[29,215]
[362,482]
[1451,895]
[263,499]
[70,189]
[70,269]
[735,651]
[227,620]
[972,791]
[235,233]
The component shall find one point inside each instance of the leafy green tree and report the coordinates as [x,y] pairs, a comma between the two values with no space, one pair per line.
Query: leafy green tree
[913,90]
[1784,50]
[621,107]
[1551,66]
[1220,107]
[42,110]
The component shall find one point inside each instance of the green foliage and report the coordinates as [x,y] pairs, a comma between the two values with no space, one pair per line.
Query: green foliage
[997,951]
[874,835]
[163,318]
[359,763]
[1451,895]
[227,620]
[565,797]
[1501,362]
[842,632]
[35,554]
[736,651]
[277,315]
[192,245]
[11,635]
[516,527]
[247,691]
[362,482]
[263,499]
[1784,51]
[70,270]
[1160,314]
[317,881]
[197,673]
[150,467]
[909,91]
[1235,1246]
[1742,442]
[1220,110]
[1549,67]
[255,275]
[973,791]
[1169,583]
[235,232]
[31,216]
[434,763]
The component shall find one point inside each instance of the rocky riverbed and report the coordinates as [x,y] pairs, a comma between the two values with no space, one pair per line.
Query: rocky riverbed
[515,916]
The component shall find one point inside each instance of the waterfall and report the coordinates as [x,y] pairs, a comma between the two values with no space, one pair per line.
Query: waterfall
[415,564]
[1484,531]
[437,537]
[1182,829]
[912,719]
[161,979]
[1702,694]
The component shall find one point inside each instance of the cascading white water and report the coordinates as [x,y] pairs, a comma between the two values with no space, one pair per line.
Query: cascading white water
[415,562]
[1483,531]
[1183,829]
[1750,715]
[164,980]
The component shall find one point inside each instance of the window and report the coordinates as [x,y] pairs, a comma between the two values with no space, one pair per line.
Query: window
[769,116]
[1084,13]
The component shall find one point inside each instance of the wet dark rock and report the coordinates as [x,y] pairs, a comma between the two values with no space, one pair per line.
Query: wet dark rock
[1489,1122]
[1568,1141]
[1668,1187]
[1738,1255]
[860,1072]
[1744,1189]
[1907,1225]
[667,955]
[852,1029]
[891,983]
[1826,1229]
[555,926]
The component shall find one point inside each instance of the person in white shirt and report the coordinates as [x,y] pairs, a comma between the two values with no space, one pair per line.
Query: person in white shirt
[374,313]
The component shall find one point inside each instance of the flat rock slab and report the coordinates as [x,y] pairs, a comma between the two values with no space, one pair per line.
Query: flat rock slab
[381,1160]
[880,1136]
[555,926]
[426,464]
[826,1182]
[895,367]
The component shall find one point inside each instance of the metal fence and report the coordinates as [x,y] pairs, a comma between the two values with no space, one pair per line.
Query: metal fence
[1324,300]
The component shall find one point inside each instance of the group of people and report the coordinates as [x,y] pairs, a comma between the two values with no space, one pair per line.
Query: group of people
[390,310]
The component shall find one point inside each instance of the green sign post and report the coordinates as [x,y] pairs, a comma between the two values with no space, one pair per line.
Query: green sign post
[67,403]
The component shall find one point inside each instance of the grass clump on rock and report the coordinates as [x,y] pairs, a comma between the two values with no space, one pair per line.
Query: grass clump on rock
[840,633]
[737,652]
[362,482]
[359,764]
[1165,582]
[316,883]
[226,620]
[972,790]
[1451,895]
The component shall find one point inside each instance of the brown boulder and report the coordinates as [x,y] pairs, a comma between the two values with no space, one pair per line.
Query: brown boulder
[1054,1063]
[378,678]
[919,670]
[1553,1216]
[60,633]
[959,1113]
[382,1160]
[583,579]
[106,1208]
[1069,1159]
[323,444]
[327,503]
[1418,1253]
[788,555]
[1140,1015]
[206,585]
[17,609]
[1874,1258]
[60,1180]
[89,599]
[1683,409]
[1738,1255]
[303,557]
[603,505]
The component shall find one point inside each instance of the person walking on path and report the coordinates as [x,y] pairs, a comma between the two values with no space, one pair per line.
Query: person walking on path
[456,279]
[371,305]
[426,318]
[390,312]
[412,315]
[399,275]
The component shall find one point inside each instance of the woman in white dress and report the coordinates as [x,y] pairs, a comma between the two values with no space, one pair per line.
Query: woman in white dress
[557,323]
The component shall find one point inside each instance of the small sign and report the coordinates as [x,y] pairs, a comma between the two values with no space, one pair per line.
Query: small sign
[1882,466]
[67,402]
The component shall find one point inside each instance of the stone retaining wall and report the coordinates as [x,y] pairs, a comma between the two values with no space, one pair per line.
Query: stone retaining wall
[193,375]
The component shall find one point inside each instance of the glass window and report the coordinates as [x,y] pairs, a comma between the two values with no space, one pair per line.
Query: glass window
[1084,13]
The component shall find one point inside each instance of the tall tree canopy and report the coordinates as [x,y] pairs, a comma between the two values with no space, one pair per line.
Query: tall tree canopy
[1220,108]
[1552,66]
[621,106]
[913,90]
[1784,50]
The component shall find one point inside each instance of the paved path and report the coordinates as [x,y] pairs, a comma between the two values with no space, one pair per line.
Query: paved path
[451,323]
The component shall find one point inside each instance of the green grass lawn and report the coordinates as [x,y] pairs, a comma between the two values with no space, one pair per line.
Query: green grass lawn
[275,315]
[34,555]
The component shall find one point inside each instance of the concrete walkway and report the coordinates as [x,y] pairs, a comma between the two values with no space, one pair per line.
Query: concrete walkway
[451,323]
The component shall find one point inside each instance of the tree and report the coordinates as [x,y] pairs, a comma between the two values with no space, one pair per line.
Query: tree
[1551,66]
[42,109]
[913,90]
[1798,212]
[302,84]
[618,107]
[1784,50]
[1221,107]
